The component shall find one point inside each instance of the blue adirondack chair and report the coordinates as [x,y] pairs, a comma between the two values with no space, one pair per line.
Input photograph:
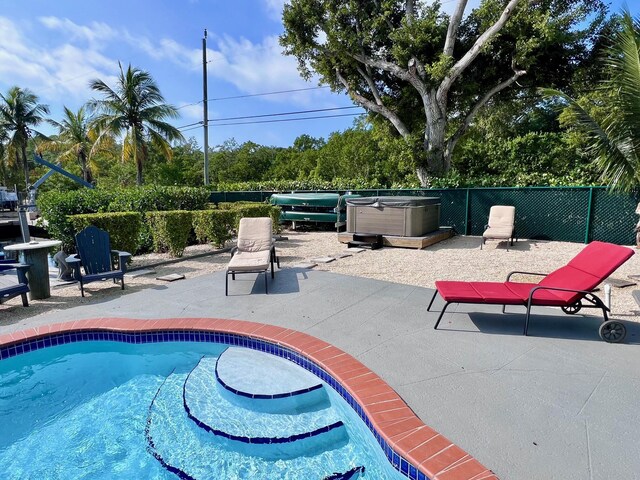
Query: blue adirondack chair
[22,288]
[96,258]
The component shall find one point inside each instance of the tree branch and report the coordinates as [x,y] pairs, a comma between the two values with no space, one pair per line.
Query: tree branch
[372,86]
[374,107]
[410,11]
[394,69]
[451,142]
[462,64]
[452,31]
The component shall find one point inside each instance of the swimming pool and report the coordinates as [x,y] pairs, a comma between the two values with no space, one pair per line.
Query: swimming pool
[113,410]
[414,449]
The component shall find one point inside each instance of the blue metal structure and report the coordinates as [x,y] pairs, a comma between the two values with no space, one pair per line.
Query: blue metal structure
[57,168]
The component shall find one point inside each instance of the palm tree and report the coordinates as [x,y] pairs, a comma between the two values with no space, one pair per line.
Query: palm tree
[135,108]
[19,113]
[75,139]
[615,141]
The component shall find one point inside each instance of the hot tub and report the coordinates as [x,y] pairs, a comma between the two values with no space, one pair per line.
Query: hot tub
[399,216]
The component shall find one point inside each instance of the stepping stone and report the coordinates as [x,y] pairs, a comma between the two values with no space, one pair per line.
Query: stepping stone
[357,250]
[305,265]
[344,255]
[139,273]
[323,259]
[619,282]
[172,277]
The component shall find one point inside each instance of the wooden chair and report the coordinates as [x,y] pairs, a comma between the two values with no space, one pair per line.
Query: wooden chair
[97,259]
[21,288]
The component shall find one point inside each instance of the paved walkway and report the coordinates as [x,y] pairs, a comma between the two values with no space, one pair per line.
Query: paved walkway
[559,404]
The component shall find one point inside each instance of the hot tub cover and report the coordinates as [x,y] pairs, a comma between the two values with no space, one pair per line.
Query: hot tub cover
[393,201]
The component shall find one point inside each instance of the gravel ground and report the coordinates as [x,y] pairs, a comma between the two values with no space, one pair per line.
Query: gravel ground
[458,258]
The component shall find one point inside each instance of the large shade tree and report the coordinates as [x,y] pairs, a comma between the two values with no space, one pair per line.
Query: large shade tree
[429,73]
[20,112]
[136,109]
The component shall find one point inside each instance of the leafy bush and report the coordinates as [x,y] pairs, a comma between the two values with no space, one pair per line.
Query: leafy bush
[297,185]
[56,207]
[122,227]
[159,198]
[170,230]
[252,209]
[214,225]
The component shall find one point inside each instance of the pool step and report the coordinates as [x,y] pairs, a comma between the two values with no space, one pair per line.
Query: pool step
[198,454]
[270,435]
[266,383]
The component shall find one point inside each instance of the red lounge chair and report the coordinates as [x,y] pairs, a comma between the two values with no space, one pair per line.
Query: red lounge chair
[569,287]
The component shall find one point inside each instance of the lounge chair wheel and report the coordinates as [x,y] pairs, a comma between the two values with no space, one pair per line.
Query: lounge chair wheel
[572,309]
[612,331]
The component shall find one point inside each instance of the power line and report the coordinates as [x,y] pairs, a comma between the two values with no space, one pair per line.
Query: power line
[188,105]
[279,120]
[267,93]
[284,113]
[189,125]
[289,119]
[253,95]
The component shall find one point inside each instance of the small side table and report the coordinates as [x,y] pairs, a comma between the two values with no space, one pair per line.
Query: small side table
[35,254]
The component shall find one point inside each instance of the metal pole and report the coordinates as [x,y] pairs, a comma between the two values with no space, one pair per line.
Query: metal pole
[205,104]
[587,229]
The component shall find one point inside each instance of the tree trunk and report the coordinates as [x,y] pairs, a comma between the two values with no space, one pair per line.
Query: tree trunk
[140,157]
[86,172]
[25,166]
[436,160]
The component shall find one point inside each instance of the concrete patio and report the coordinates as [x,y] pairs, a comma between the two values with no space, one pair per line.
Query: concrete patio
[559,404]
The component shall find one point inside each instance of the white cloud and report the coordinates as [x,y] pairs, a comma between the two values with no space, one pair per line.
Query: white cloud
[93,33]
[61,71]
[191,111]
[254,68]
[63,68]
[274,8]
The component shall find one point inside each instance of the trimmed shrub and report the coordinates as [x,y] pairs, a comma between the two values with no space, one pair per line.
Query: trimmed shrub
[57,207]
[253,209]
[155,198]
[170,230]
[123,227]
[214,226]
[238,204]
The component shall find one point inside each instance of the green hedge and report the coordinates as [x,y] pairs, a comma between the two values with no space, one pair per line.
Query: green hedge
[214,226]
[123,227]
[56,207]
[159,198]
[253,209]
[170,230]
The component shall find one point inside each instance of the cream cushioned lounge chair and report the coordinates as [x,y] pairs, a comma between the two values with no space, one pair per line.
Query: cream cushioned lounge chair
[501,224]
[254,252]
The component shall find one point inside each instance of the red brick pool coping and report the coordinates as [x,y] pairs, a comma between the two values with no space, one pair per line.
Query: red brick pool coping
[432,453]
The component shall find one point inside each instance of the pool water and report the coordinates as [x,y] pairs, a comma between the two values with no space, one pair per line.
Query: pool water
[104,410]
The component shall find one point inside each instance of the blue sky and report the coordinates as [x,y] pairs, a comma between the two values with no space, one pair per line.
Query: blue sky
[56,47]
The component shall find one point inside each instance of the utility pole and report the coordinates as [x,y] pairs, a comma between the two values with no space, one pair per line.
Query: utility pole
[205,108]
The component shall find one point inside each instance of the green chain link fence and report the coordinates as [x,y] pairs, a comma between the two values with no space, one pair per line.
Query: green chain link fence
[570,214]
